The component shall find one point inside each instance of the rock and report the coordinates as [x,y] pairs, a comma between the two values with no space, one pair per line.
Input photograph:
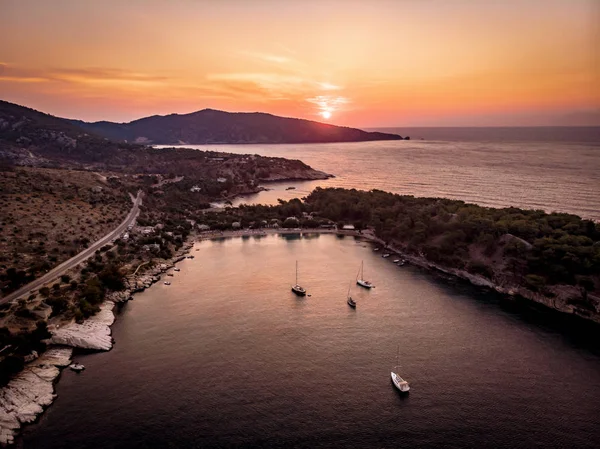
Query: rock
[91,334]
[30,391]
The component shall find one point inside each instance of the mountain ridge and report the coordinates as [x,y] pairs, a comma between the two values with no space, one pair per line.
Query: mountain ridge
[212,126]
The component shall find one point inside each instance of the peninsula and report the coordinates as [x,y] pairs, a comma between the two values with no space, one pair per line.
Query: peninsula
[209,126]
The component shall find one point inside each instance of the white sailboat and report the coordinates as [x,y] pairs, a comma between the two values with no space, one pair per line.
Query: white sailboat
[297,289]
[350,301]
[360,278]
[398,382]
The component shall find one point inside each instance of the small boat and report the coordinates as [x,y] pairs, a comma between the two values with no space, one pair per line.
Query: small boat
[176,269]
[360,279]
[77,367]
[297,289]
[386,255]
[396,260]
[375,249]
[167,283]
[350,301]
[169,274]
[398,382]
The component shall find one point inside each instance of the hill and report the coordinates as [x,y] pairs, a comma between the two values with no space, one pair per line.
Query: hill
[210,126]
[30,137]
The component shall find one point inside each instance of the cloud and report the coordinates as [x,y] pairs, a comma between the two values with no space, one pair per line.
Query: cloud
[329,103]
[268,57]
[329,86]
[91,75]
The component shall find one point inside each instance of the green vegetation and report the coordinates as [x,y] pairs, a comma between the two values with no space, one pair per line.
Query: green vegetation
[22,344]
[529,247]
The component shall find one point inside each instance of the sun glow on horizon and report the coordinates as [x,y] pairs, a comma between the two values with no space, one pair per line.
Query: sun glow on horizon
[451,66]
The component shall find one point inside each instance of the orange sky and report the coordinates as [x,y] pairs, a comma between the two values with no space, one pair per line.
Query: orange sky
[367,64]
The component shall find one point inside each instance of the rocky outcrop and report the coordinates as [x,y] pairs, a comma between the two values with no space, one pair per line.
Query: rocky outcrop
[297,175]
[30,391]
[93,333]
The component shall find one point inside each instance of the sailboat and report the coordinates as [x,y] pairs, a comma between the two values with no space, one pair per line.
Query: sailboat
[360,278]
[297,289]
[398,382]
[350,301]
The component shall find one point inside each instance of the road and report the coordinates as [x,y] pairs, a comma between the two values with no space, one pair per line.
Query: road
[61,269]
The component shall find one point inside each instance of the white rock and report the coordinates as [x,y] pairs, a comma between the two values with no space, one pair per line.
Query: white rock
[91,334]
[26,395]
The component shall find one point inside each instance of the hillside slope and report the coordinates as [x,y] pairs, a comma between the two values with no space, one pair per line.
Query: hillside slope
[211,126]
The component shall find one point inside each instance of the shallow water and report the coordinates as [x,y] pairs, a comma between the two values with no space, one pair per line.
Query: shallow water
[228,356]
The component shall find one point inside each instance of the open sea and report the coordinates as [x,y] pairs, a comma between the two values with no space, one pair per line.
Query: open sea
[228,356]
[554,169]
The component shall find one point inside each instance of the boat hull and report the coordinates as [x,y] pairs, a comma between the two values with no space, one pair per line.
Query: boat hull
[351,303]
[299,291]
[363,283]
[400,384]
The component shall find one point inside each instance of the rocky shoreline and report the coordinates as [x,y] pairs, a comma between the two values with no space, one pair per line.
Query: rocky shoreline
[559,302]
[31,391]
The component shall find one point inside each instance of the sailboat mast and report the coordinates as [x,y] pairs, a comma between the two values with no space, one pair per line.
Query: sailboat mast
[296,272]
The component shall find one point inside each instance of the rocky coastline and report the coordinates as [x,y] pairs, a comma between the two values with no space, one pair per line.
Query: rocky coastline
[31,391]
[560,302]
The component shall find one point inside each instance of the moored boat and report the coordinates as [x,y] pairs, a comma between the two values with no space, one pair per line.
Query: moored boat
[296,288]
[397,380]
[350,301]
[360,278]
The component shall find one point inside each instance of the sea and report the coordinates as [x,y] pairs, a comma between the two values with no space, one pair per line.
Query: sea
[226,356]
[555,169]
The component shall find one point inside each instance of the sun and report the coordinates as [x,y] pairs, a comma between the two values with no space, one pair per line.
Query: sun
[326,114]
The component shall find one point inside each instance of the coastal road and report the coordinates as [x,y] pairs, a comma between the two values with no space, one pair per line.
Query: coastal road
[56,272]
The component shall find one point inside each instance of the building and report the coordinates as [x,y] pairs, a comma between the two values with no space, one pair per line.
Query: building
[195,189]
[348,227]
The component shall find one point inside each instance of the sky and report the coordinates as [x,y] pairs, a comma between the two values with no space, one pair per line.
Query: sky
[377,63]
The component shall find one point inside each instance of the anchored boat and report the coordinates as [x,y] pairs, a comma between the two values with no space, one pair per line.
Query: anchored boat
[350,301]
[398,382]
[360,278]
[297,289]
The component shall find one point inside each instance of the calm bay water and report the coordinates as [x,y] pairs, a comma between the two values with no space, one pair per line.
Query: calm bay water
[533,168]
[228,356]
